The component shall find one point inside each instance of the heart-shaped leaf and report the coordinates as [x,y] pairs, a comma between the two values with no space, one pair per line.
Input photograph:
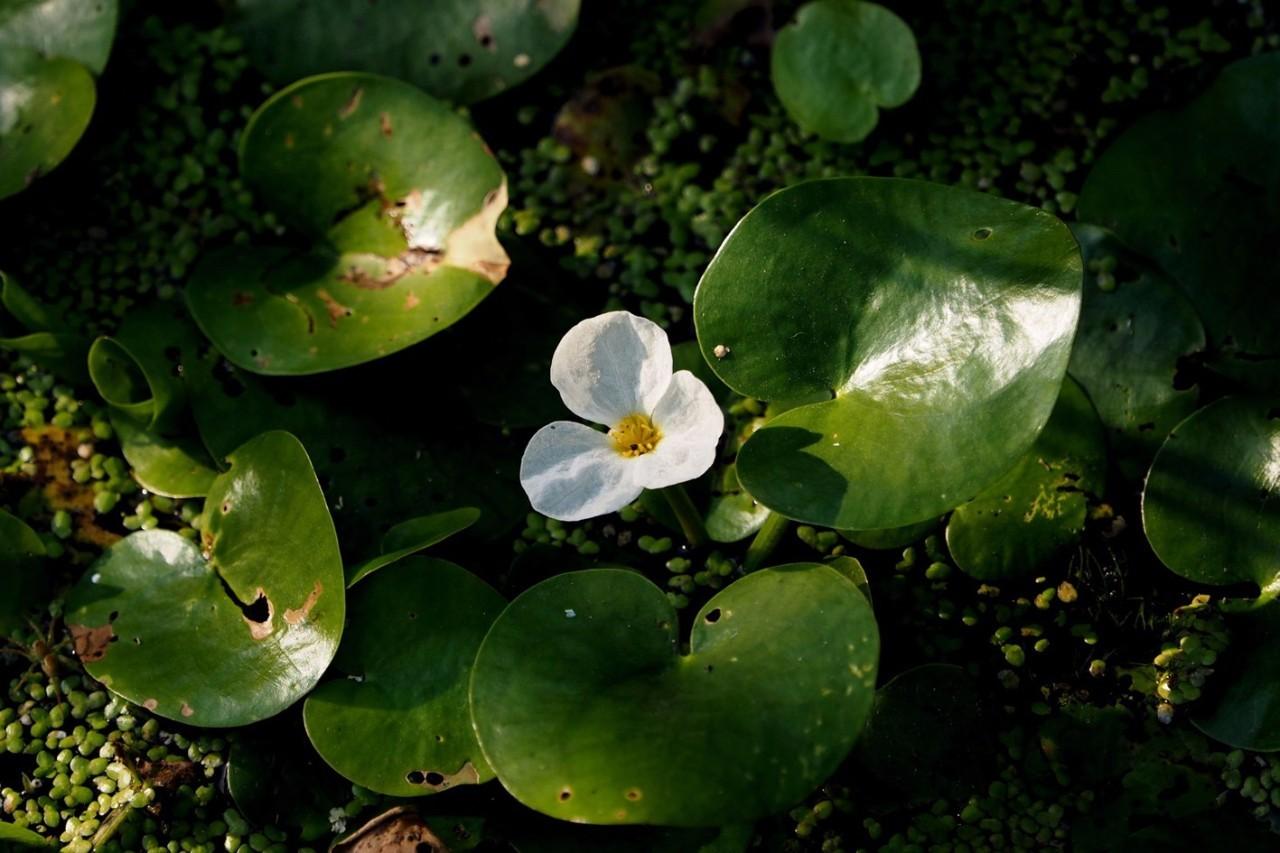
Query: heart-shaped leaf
[602,720]
[459,50]
[1211,506]
[1136,326]
[22,580]
[397,721]
[840,62]
[934,324]
[1039,507]
[48,51]
[401,198]
[28,327]
[233,633]
[1194,189]
[412,536]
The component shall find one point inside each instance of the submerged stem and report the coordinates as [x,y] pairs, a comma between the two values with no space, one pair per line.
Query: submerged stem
[767,539]
[695,531]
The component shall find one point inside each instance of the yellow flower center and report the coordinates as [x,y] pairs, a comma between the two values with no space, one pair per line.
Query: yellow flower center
[635,435]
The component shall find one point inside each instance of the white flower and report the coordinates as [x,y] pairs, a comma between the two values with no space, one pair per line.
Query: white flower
[615,370]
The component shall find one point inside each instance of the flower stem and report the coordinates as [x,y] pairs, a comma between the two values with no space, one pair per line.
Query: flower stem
[767,539]
[695,531]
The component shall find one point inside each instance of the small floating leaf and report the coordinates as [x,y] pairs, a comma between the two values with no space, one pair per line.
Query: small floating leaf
[840,62]
[231,632]
[775,689]
[396,719]
[22,581]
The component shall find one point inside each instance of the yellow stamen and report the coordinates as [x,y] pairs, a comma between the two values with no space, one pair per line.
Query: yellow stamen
[635,435]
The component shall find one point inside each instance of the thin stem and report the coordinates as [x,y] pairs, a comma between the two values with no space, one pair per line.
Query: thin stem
[767,539]
[695,531]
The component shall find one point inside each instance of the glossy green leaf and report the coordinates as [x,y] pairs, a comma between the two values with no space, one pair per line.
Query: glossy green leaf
[176,467]
[232,631]
[1211,506]
[733,514]
[1241,706]
[1039,507]
[840,62]
[22,580]
[81,30]
[412,536]
[459,50]
[926,736]
[1136,327]
[21,836]
[1194,189]
[888,538]
[45,106]
[772,695]
[401,198]
[28,327]
[934,323]
[378,469]
[396,719]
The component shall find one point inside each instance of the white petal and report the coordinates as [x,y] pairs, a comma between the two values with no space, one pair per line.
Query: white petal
[611,366]
[691,422]
[571,472]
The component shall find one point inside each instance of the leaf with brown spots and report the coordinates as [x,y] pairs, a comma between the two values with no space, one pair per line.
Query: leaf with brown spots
[399,830]
[192,634]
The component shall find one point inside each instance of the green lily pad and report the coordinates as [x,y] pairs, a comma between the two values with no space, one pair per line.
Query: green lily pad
[926,736]
[22,580]
[840,62]
[888,538]
[766,705]
[1039,507]
[377,469]
[1211,506]
[176,467]
[734,514]
[49,50]
[27,327]
[81,30]
[397,720]
[1194,189]
[460,50]
[412,536]
[400,197]
[933,323]
[21,836]
[237,632]
[1241,708]
[1136,326]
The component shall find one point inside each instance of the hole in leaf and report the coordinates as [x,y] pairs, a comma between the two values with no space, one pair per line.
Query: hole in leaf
[982,234]
[434,778]
[464,60]
[713,616]
[415,777]
[565,795]
[113,616]
[434,59]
